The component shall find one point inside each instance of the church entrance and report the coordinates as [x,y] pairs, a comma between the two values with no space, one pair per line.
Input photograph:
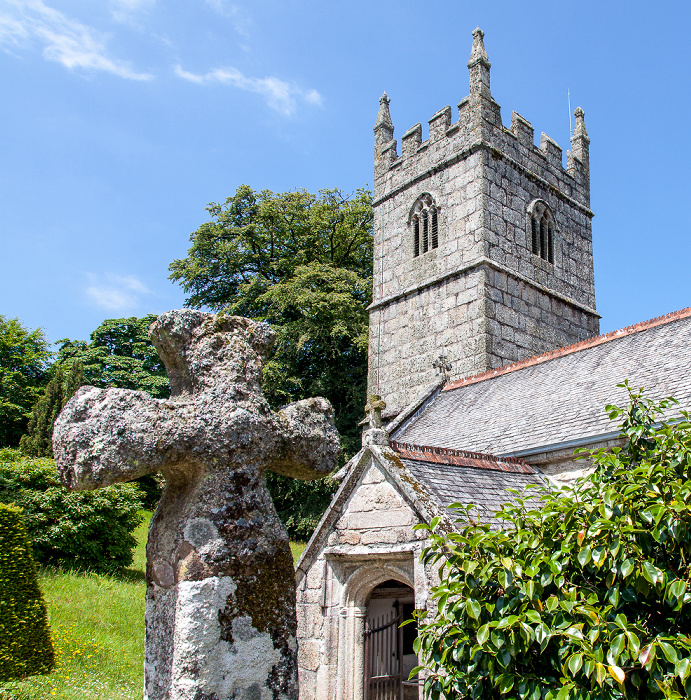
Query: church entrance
[389,655]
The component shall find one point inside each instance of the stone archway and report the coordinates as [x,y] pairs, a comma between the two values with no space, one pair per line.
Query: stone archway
[389,655]
[371,572]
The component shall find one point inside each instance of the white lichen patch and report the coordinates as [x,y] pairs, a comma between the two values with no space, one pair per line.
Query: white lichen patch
[246,664]
[202,660]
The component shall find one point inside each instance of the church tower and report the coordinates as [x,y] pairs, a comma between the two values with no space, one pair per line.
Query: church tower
[482,244]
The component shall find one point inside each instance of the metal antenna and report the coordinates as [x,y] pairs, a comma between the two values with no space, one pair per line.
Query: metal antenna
[568,95]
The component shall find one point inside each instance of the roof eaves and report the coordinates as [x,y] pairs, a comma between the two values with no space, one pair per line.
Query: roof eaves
[419,498]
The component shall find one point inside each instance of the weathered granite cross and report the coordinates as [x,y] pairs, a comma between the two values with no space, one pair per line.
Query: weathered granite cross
[220,599]
[375,434]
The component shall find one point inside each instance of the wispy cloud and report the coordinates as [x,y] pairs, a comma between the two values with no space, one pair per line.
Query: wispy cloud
[116,292]
[279,94]
[65,40]
[127,10]
[241,22]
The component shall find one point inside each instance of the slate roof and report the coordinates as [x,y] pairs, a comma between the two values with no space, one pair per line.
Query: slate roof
[456,476]
[485,488]
[558,397]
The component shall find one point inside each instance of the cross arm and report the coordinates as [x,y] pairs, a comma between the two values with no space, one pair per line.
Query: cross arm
[306,444]
[106,436]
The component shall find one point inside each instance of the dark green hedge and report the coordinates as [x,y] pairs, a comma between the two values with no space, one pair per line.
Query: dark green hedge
[25,646]
[85,530]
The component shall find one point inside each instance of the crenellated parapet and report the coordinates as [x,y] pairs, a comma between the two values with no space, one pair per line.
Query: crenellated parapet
[479,126]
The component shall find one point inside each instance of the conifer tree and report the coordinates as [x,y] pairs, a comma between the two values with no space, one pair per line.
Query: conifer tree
[24,358]
[38,440]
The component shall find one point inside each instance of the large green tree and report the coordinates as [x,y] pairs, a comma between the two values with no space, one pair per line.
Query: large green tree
[583,593]
[303,263]
[24,357]
[119,354]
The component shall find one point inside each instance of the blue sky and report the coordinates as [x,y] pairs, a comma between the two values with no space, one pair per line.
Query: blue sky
[122,119]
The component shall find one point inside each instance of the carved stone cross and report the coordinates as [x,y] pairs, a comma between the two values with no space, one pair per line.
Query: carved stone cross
[220,599]
[442,365]
[373,408]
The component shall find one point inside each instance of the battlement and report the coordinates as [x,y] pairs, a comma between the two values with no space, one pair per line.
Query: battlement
[479,126]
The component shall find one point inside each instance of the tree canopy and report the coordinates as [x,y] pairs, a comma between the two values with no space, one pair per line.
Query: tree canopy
[119,354]
[303,263]
[583,593]
[257,239]
[24,358]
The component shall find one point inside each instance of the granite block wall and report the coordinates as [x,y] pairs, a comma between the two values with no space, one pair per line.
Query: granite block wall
[375,530]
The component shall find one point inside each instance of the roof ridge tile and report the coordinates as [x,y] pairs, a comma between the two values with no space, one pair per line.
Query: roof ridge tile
[569,349]
[463,458]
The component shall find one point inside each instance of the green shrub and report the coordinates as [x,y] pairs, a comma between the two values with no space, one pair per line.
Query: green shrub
[584,594]
[85,530]
[25,646]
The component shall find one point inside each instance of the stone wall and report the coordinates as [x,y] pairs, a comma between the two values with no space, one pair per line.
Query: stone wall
[563,466]
[407,336]
[372,541]
[524,320]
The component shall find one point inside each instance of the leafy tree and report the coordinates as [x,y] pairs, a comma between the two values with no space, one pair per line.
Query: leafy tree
[38,440]
[584,592]
[121,355]
[24,357]
[303,263]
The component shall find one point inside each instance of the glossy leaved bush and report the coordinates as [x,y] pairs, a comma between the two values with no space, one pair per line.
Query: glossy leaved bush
[583,593]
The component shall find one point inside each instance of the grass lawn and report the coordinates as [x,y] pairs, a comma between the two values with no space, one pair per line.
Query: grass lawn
[97,624]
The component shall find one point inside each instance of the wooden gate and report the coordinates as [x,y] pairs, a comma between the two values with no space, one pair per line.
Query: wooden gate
[383,657]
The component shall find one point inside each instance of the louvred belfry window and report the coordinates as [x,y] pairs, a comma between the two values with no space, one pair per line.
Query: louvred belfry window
[541,230]
[425,225]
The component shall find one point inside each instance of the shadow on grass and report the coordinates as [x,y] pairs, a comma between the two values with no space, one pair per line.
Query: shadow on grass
[126,575]
[130,575]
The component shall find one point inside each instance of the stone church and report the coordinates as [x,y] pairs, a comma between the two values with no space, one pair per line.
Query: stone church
[484,349]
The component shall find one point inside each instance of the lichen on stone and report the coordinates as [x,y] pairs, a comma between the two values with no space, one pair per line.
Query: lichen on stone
[220,618]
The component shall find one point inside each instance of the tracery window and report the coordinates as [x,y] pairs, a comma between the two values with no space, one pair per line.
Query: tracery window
[425,220]
[541,230]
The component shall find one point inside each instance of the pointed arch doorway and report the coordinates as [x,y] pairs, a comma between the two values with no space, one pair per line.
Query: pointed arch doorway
[388,654]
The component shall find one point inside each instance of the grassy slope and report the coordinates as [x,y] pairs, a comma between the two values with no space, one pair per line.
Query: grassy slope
[97,623]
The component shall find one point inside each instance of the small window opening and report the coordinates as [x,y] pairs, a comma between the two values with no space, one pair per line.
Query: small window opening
[543,239]
[425,232]
[550,245]
[541,231]
[435,230]
[425,220]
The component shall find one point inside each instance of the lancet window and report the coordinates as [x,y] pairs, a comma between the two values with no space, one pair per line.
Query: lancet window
[541,230]
[425,220]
